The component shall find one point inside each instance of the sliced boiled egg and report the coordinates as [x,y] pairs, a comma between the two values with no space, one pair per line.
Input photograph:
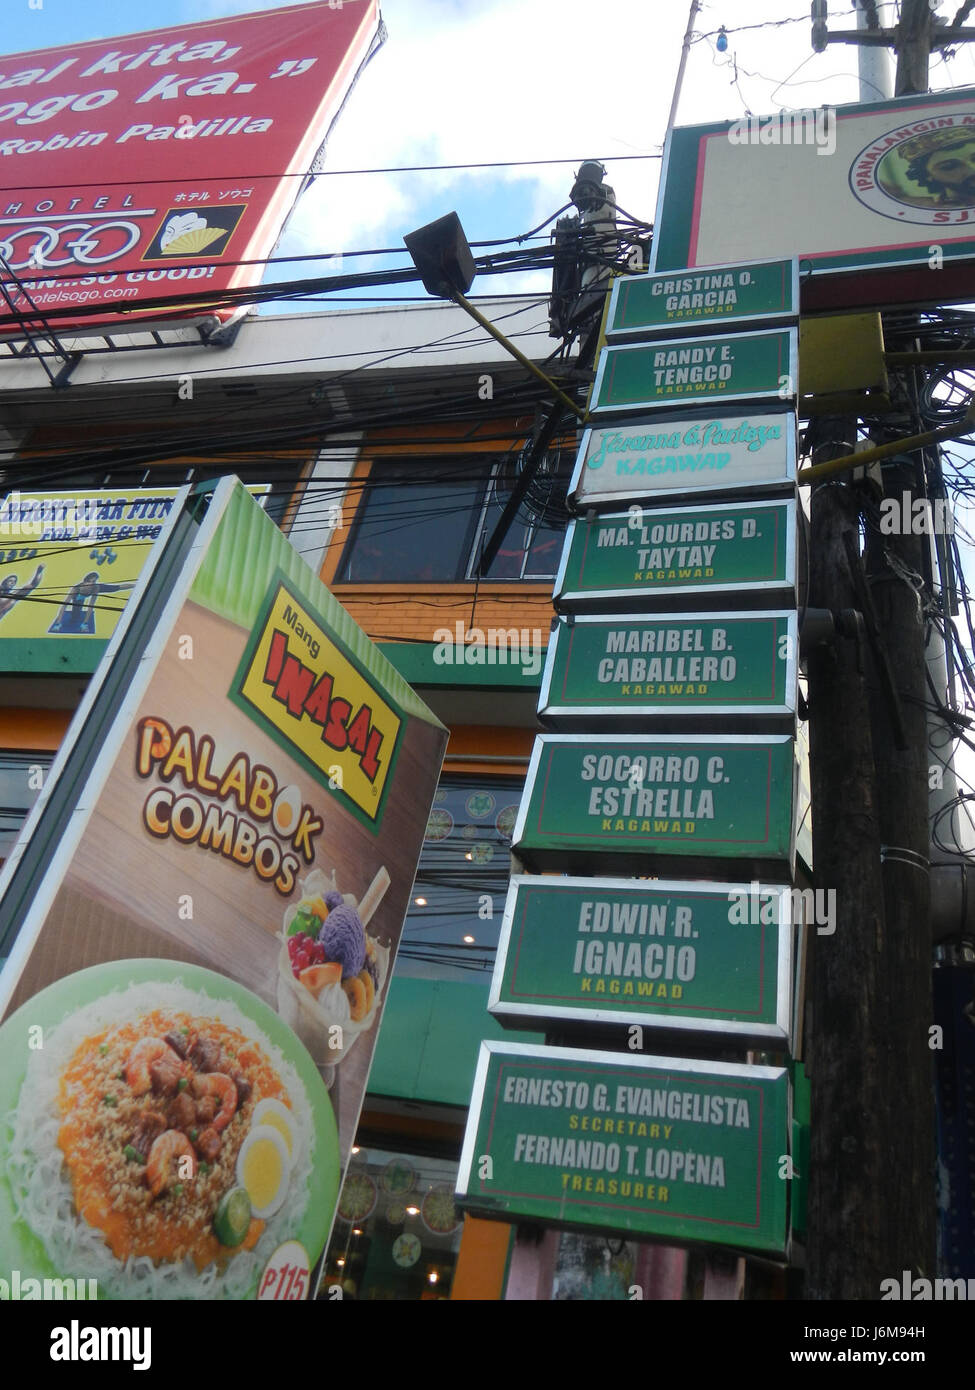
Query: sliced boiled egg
[263,1168]
[286,811]
[276,1114]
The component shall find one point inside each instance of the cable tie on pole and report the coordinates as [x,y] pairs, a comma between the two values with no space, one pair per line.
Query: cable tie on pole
[900,854]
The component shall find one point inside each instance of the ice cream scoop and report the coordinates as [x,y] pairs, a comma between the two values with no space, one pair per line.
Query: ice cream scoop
[333,899]
[343,938]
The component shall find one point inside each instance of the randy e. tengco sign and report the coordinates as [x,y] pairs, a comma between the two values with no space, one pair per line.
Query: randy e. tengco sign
[711,958]
[659,1147]
[747,368]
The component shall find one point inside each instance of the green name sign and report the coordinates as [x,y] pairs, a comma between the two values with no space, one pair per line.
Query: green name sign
[705,957]
[601,671]
[643,306]
[620,801]
[649,557]
[751,367]
[679,1150]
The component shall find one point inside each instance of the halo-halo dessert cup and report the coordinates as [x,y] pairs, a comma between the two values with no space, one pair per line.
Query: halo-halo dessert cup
[324,1022]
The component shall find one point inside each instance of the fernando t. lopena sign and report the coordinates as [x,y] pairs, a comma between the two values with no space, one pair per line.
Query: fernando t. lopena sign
[661,1147]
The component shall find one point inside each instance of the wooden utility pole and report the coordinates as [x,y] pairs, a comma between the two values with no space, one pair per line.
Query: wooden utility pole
[872,1140]
[849,1240]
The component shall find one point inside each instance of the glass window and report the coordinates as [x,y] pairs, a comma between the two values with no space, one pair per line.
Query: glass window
[21,777]
[594,1268]
[454,919]
[416,523]
[427,521]
[397,1231]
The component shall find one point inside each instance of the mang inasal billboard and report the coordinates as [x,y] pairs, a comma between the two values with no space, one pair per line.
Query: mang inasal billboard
[190,1008]
[227,116]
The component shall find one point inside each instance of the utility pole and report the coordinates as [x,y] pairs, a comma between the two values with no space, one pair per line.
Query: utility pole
[848,1231]
[872,1177]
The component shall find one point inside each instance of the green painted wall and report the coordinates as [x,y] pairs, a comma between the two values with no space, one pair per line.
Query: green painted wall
[428,1043]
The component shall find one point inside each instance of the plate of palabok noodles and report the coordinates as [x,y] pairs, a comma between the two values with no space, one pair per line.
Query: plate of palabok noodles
[161,1131]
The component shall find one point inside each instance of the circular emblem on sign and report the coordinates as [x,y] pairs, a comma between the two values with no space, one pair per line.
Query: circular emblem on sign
[406,1250]
[506,821]
[398,1176]
[480,804]
[923,173]
[358,1198]
[440,824]
[438,1210]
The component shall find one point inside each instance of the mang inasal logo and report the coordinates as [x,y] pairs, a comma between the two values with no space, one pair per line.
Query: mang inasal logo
[314,701]
[237,809]
[921,173]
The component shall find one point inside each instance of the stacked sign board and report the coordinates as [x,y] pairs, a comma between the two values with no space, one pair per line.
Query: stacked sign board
[671,688]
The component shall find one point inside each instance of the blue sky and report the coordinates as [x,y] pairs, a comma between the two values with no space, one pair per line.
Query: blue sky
[469,81]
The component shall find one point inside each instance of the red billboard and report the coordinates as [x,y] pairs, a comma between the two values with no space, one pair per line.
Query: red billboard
[134,168]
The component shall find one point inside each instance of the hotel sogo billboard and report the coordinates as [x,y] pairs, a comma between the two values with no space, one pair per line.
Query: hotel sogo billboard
[674,678]
[227,116]
[200,921]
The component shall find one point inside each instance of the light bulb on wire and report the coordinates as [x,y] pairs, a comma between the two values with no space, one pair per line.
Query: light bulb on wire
[721,42]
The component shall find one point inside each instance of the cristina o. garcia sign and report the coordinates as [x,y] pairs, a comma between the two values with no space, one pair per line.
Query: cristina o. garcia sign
[601,670]
[643,306]
[673,457]
[620,801]
[711,958]
[752,367]
[707,554]
[663,1147]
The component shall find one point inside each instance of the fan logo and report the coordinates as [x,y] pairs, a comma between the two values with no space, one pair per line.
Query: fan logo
[923,173]
[185,234]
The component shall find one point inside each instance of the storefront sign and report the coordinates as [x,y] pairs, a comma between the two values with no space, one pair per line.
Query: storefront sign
[600,671]
[702,554]
[593,803]
[712,958]
[68,563]
[678,1150]
[201,919]
[142,166]
[708,372]
[871,187]
[760,292]
[665,458]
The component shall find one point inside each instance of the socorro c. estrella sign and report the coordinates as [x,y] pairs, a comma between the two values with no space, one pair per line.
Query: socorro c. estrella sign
[643,306]
[712,958]
[618,670]
[617,802]
[705,554]
[706,371]
[673,457]
[664,1147]
[227,116]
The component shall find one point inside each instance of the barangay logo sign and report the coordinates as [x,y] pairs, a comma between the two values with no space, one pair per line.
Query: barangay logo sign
[922,173]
